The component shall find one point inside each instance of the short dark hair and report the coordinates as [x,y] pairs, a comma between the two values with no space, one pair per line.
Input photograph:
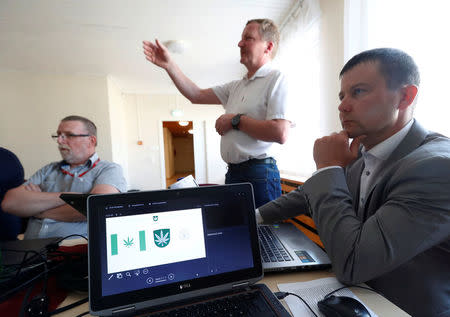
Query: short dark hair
[269,32]
[88,124]
[397,67]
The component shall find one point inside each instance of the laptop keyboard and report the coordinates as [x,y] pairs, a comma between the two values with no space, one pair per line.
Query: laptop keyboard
[271,248]
[252,303]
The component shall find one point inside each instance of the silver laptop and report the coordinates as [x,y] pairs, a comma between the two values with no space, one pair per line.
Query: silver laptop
[185,249]
[284,247]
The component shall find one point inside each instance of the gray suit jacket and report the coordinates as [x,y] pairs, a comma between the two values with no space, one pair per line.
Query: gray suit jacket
[399,243]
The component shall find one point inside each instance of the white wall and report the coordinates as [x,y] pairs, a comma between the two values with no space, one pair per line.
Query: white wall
[117,112]
[32,106]
[144,116]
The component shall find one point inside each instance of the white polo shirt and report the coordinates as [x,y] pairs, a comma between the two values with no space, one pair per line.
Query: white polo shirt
[263,97]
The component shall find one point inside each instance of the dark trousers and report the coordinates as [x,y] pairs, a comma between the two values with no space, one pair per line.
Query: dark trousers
[263,174]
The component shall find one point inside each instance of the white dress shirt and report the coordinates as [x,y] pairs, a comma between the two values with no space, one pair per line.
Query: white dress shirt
[375,157]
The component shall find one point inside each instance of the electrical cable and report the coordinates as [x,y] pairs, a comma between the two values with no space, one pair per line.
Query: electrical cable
[24,284]
[25,260]
[72,235]
[70,306]
[21,266]
[38,304]
[363,287]
[281,295]
[43,262]
[25,300]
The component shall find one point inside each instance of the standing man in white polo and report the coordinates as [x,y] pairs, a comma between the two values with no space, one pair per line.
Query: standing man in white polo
[256,108]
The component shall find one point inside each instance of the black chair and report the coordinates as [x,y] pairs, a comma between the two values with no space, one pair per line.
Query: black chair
[12,175]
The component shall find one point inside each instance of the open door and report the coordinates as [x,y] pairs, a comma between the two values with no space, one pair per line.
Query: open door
[178,150]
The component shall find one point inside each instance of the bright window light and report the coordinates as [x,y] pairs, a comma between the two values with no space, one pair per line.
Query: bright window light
[420,28]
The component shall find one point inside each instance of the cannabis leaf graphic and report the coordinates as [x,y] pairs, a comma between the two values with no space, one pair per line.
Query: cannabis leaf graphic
[163,238]
[128,243]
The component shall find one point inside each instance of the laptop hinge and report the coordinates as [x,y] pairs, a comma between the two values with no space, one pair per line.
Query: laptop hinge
[126,311]
[241,285]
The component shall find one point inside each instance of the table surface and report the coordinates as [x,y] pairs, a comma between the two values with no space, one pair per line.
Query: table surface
[374,301]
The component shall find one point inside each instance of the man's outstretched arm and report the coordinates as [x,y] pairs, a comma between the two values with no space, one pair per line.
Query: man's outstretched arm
[158,54]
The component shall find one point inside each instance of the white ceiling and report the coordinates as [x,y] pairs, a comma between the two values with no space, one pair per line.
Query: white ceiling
[104,37]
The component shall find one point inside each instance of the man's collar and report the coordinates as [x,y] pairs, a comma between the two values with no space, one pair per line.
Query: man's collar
[93,159]
[384,149]
[89,162]
[263,71]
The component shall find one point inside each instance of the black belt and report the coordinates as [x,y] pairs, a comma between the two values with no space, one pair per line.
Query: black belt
[267,160]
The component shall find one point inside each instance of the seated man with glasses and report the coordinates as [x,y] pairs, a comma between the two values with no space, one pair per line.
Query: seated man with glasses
[80,171]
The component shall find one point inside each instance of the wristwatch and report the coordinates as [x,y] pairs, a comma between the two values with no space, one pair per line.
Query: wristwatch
[236,120]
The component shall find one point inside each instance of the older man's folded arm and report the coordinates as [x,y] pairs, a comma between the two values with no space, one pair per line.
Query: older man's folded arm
[64,213]
[67,213]
[24,203]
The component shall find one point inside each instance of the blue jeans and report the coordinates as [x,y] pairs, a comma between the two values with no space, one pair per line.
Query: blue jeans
[264,177]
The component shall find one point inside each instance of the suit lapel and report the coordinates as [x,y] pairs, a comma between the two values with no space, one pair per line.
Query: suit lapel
[412,140]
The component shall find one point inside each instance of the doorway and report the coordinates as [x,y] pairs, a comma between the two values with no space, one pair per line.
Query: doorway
[178,150]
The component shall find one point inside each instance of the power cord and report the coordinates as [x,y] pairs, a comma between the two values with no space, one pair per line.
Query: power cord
[363,287]
[281,295]
[62,309]
[25,261]
[38,305]
[72,235]
[52,247]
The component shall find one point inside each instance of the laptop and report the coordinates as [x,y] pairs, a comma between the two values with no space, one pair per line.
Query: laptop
[284,247]
[77,201]
[153,251]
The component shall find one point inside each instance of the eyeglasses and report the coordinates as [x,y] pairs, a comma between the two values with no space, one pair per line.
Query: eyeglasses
[68,136]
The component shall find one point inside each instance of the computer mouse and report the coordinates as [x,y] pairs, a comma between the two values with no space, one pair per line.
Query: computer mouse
[342,306]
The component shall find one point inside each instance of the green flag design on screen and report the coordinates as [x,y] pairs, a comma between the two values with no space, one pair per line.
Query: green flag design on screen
[162,237]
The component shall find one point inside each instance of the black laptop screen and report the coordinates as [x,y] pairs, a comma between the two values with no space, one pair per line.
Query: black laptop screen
[159,242]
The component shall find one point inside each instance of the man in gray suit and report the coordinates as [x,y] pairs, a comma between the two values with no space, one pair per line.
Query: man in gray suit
[382,209]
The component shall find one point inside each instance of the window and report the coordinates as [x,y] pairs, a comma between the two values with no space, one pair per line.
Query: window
[419,28]
[298,58]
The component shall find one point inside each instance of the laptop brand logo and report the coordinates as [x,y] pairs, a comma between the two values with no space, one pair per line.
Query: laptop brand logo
[162,237]
[187,285]
[155,218]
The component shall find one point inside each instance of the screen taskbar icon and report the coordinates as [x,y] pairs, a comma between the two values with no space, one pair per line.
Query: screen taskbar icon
[128,274]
